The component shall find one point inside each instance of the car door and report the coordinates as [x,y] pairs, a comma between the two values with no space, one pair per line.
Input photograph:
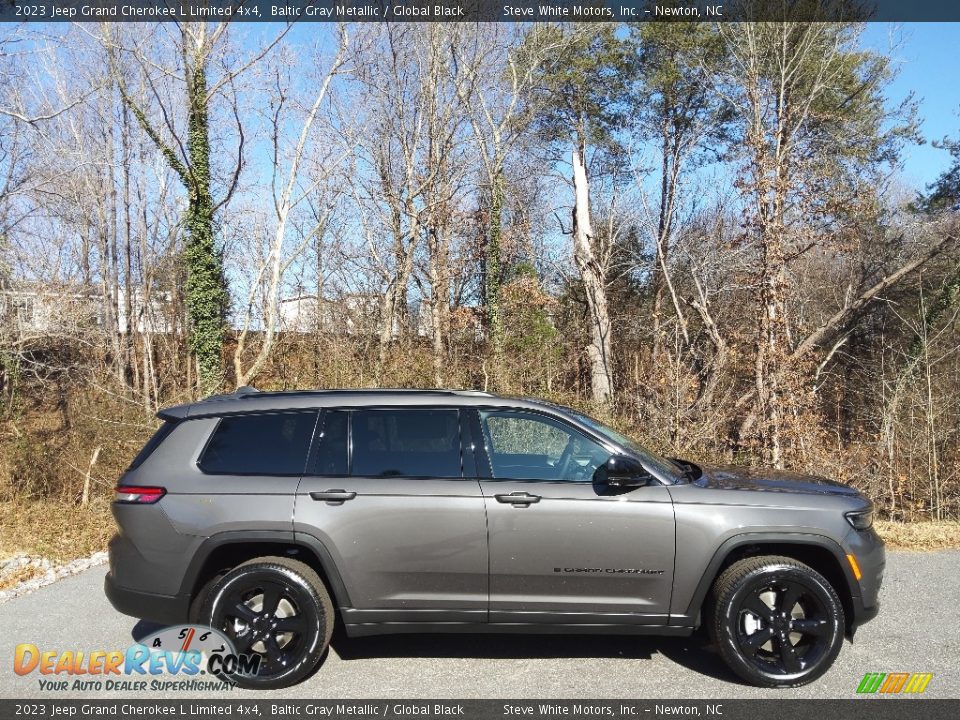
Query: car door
[565,548]
[385,494]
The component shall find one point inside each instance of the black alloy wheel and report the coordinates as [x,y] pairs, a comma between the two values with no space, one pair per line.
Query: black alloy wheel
[776,621]
[277,609]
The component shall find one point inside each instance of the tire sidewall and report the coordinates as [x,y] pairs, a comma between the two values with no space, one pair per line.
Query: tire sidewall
[727,629]
[307,596]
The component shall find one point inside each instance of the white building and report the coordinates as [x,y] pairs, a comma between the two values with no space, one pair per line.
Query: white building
[41,309]
[349,315]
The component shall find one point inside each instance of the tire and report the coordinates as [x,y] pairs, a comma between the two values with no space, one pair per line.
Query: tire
[200,599]
[239,604]
[776,621]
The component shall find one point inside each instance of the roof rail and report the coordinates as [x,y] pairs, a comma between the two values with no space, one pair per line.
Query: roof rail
[247,391]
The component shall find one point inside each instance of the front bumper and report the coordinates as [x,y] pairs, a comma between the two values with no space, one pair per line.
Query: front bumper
[868,549]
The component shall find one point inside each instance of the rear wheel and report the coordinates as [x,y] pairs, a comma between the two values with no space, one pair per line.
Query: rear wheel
[276,608]
[776,621]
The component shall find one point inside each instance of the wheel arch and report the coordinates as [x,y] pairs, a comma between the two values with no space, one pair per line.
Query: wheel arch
[226,550]
[819,552]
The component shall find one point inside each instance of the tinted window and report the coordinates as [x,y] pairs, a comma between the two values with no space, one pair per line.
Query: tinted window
[666,467]
[152,444]
[406,442]
[273,444]
[527,446]
[332,444]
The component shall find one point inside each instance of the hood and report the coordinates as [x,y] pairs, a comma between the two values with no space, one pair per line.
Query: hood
[768,480]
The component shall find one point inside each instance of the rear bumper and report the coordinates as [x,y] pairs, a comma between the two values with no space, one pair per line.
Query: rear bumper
[164,609]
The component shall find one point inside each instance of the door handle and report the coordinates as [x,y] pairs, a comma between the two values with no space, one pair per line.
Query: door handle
[334,495]
[518,498]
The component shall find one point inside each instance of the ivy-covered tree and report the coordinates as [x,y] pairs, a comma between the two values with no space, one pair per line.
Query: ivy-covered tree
[188,153]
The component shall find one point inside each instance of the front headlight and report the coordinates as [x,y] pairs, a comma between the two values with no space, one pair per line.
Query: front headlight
[860,519]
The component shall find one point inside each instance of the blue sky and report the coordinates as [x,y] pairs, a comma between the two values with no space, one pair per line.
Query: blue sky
[926,54]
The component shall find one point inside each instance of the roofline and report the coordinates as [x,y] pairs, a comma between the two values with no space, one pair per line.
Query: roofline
[247,391]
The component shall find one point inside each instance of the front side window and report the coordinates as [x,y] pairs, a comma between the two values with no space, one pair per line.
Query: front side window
[662,465]
[527,446]
[269,444]
[406,442]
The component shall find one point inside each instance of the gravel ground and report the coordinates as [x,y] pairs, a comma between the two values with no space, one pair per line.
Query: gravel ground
[916,631]
[43,572]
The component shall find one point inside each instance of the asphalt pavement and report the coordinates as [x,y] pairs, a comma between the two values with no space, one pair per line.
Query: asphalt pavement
[918,630]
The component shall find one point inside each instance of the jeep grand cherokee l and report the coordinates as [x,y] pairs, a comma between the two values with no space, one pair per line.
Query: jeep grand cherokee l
[271,516]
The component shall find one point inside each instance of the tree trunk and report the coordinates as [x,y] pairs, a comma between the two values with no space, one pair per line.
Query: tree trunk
[660,259]
[594,283]
[439,302]
[393,307]
[206,287]
[492,284]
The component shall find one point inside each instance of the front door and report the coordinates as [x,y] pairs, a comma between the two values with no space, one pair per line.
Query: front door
[385,493]
[563,548]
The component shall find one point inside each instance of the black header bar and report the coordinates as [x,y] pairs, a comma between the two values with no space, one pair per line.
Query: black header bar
[478,10]
[244,706]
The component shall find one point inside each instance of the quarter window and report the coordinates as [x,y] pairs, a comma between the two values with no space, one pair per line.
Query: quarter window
[527,446]
[406,443]
[270,444]
[152,444]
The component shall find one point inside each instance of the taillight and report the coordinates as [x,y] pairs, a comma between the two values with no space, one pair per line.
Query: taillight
[134,495]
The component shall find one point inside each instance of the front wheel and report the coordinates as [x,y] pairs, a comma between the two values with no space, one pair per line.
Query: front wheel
[776,621]
[276,608]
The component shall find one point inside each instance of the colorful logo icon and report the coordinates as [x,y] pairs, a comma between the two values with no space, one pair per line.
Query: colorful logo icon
[894,683]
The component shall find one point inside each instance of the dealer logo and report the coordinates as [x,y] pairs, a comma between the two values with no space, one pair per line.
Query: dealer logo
[187,652]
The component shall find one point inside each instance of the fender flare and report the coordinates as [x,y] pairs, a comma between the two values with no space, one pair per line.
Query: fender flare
[690,616]
[268,537]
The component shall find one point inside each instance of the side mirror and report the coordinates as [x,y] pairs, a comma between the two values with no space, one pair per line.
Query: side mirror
[624,472]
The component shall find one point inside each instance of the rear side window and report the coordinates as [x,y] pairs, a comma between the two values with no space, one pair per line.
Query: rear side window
[332,445]
[406,443]
[152,444]
[270,444]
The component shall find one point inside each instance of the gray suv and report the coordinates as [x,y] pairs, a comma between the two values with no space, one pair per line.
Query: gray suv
[272,516]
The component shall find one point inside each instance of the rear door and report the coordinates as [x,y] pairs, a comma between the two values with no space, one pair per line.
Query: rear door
[386,494]
[563,547]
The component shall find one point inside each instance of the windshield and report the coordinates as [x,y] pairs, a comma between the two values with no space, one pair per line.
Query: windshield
[661,465]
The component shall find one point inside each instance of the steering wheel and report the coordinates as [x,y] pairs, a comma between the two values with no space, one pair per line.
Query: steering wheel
[564,461]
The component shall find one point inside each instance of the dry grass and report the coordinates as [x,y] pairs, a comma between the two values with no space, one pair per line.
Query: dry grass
[920,536]
[54,530]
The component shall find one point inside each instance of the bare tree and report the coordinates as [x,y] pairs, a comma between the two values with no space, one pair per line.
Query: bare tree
[289,191]
[166,83]
[414,123]
[794,85]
